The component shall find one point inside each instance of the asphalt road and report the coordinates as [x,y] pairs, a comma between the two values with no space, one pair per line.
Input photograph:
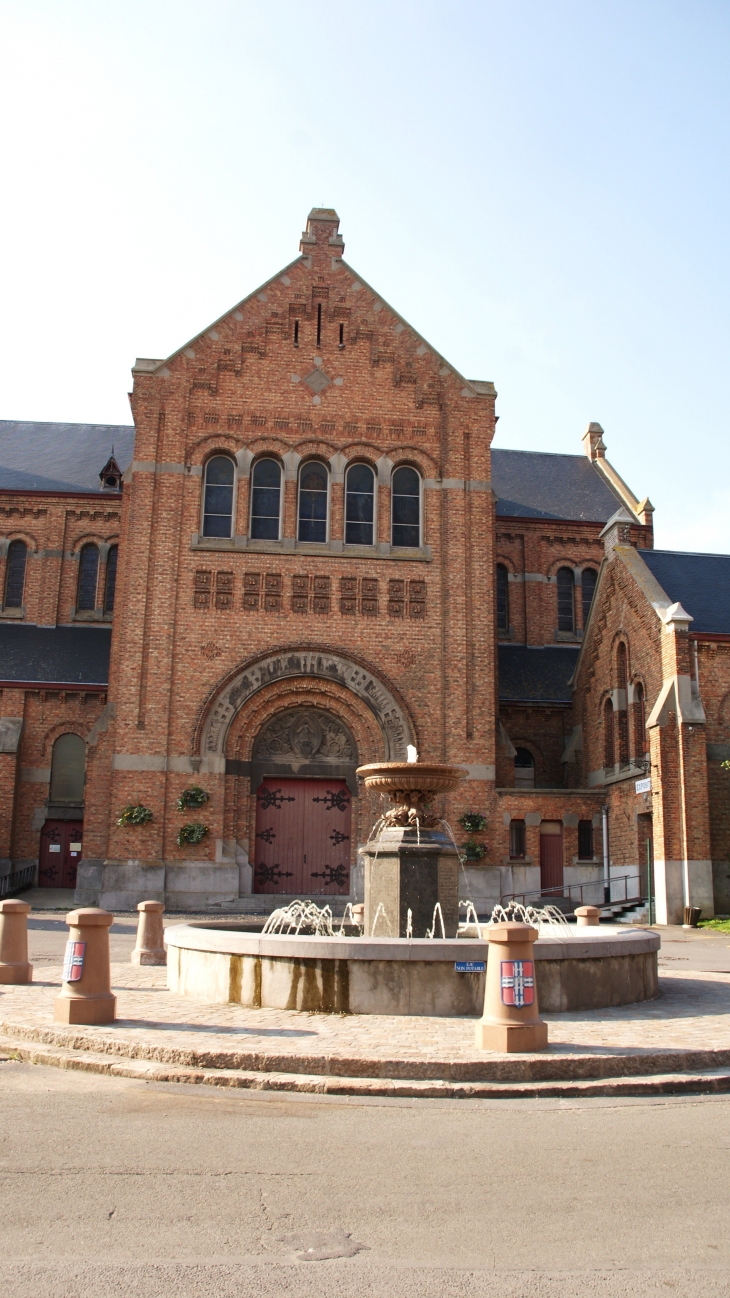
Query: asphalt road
[115,1187]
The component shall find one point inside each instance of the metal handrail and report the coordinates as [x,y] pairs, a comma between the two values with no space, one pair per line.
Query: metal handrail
[569,889]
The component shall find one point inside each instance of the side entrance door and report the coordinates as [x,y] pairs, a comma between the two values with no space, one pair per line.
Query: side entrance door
[302,837]
[60,853]
[551,855]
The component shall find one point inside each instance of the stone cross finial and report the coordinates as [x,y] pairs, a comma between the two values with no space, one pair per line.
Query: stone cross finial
[322,233]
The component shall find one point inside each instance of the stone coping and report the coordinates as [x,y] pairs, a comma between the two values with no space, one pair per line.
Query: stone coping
[586,944]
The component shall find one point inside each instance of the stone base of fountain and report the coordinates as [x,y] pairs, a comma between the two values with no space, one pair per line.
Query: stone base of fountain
[411,874]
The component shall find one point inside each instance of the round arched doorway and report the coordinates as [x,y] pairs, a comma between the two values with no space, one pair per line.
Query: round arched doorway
[303,779]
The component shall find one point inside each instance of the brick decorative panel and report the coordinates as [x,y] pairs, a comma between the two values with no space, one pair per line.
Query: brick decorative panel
[417,599]
[348,596]
[396,597]
[224,590]
[369,597]
[251,591]
[202,588]
[273,586]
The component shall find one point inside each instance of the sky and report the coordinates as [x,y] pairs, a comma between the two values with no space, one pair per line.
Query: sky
[541,189]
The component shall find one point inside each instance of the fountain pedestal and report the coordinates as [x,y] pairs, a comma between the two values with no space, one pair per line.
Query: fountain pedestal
[409,870]
[412,865]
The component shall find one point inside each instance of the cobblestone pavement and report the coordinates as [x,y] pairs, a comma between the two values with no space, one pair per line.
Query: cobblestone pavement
[692,1013]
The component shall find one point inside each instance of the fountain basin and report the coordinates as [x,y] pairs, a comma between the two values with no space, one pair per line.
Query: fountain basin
[221,964]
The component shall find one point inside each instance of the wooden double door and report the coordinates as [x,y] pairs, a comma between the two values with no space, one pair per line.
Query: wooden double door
[303,837]
[60,853]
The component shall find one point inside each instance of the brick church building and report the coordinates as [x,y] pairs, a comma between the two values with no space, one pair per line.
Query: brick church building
[307,554]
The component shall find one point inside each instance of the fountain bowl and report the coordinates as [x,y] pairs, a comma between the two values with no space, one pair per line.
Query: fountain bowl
[426,778]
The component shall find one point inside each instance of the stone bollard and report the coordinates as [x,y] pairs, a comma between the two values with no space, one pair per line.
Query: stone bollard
[511,1021]
[14,966]
[86,995]
[150,948]
[587,916]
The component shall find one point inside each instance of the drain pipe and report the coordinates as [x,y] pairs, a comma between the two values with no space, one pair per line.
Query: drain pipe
[606,871]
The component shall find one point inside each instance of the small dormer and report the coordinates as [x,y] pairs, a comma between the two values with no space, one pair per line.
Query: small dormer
[111,475]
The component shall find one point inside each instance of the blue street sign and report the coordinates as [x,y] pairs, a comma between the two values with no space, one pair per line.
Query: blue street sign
[470,966]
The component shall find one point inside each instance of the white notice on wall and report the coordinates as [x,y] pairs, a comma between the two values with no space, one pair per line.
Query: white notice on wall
[643,786]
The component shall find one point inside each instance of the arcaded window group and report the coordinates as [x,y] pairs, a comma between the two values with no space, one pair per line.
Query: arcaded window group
[313,502]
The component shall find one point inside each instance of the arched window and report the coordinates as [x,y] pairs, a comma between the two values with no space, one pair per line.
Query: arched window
[406,508]
[15,574]
[111,578]
[524,769]
[313,502]
[588,581]
[566,609]
[609,753]
[265,500]
[502,598]
[218,497]
[68,770]
[621,674]
[639,721]
[88,574]
[359,505]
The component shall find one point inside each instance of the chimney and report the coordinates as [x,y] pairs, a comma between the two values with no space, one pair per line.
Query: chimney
[593,443]
[322,239]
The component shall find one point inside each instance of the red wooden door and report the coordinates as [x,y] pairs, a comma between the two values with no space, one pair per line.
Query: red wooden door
[60,853]
[551,854]
[302,837]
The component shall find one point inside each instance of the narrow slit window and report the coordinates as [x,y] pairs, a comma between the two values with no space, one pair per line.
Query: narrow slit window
[265,501]
[218,501]
[517,839]
[342,336]
[319,323]
[111,579]
[639,721]
[313,494]
[406,506]
[609,758]
[587,588]
[360,505]
[15,574]
[502,598]
[296,333]
[566,609]
[585,840]
[88,577]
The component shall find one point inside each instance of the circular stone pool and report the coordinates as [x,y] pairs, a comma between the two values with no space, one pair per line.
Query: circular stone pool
[588,969]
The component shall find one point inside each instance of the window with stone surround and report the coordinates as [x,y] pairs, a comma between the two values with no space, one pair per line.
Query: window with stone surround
[566,600]
[359,505]
[265,500]
[88,577]
[313,502]
[15,574]
[406,508]
[218,497]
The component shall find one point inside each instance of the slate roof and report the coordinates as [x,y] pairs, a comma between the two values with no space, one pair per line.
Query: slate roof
[539,675]
[538,484]
[700,582]
[60,457]
[54,655]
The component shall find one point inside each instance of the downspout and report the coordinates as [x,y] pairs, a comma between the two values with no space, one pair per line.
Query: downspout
[606,870]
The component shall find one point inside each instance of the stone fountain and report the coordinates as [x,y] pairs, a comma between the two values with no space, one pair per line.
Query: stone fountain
[411,865]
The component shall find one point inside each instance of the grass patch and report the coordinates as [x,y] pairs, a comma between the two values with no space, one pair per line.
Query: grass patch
[721,923]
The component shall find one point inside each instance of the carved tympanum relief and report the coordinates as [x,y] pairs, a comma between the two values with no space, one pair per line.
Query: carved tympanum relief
[305,734]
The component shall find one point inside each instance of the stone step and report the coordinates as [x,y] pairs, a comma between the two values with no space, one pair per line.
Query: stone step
[701,1082]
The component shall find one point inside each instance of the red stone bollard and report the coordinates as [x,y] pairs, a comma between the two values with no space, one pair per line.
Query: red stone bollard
[14,966]
[587,916]
[150,947]
[86,995]
[511,1021]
